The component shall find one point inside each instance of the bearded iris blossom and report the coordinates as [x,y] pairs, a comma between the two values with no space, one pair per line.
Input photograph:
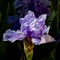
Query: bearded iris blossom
[31,27]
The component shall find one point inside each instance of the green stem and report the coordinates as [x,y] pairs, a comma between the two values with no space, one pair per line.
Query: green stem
[28,50]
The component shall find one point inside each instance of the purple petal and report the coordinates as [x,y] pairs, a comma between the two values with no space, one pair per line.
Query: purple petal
[42,17]
[32,24]
[12,36]
[27,17]
[25,21]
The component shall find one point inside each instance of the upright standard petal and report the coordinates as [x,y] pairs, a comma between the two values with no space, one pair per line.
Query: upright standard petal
[42,17]
[25,21]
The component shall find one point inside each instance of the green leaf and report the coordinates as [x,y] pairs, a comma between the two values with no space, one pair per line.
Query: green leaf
[51,18]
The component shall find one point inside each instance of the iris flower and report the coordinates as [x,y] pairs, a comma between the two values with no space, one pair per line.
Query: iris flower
[31,27]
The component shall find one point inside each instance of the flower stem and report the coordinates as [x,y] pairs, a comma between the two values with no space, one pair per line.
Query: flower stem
[28,49]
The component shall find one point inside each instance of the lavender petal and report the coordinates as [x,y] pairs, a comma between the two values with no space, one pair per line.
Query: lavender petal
[12,36]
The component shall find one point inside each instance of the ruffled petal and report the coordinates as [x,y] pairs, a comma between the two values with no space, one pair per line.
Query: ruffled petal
[27,17]
[42,17]
[12,36]
[26,20]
